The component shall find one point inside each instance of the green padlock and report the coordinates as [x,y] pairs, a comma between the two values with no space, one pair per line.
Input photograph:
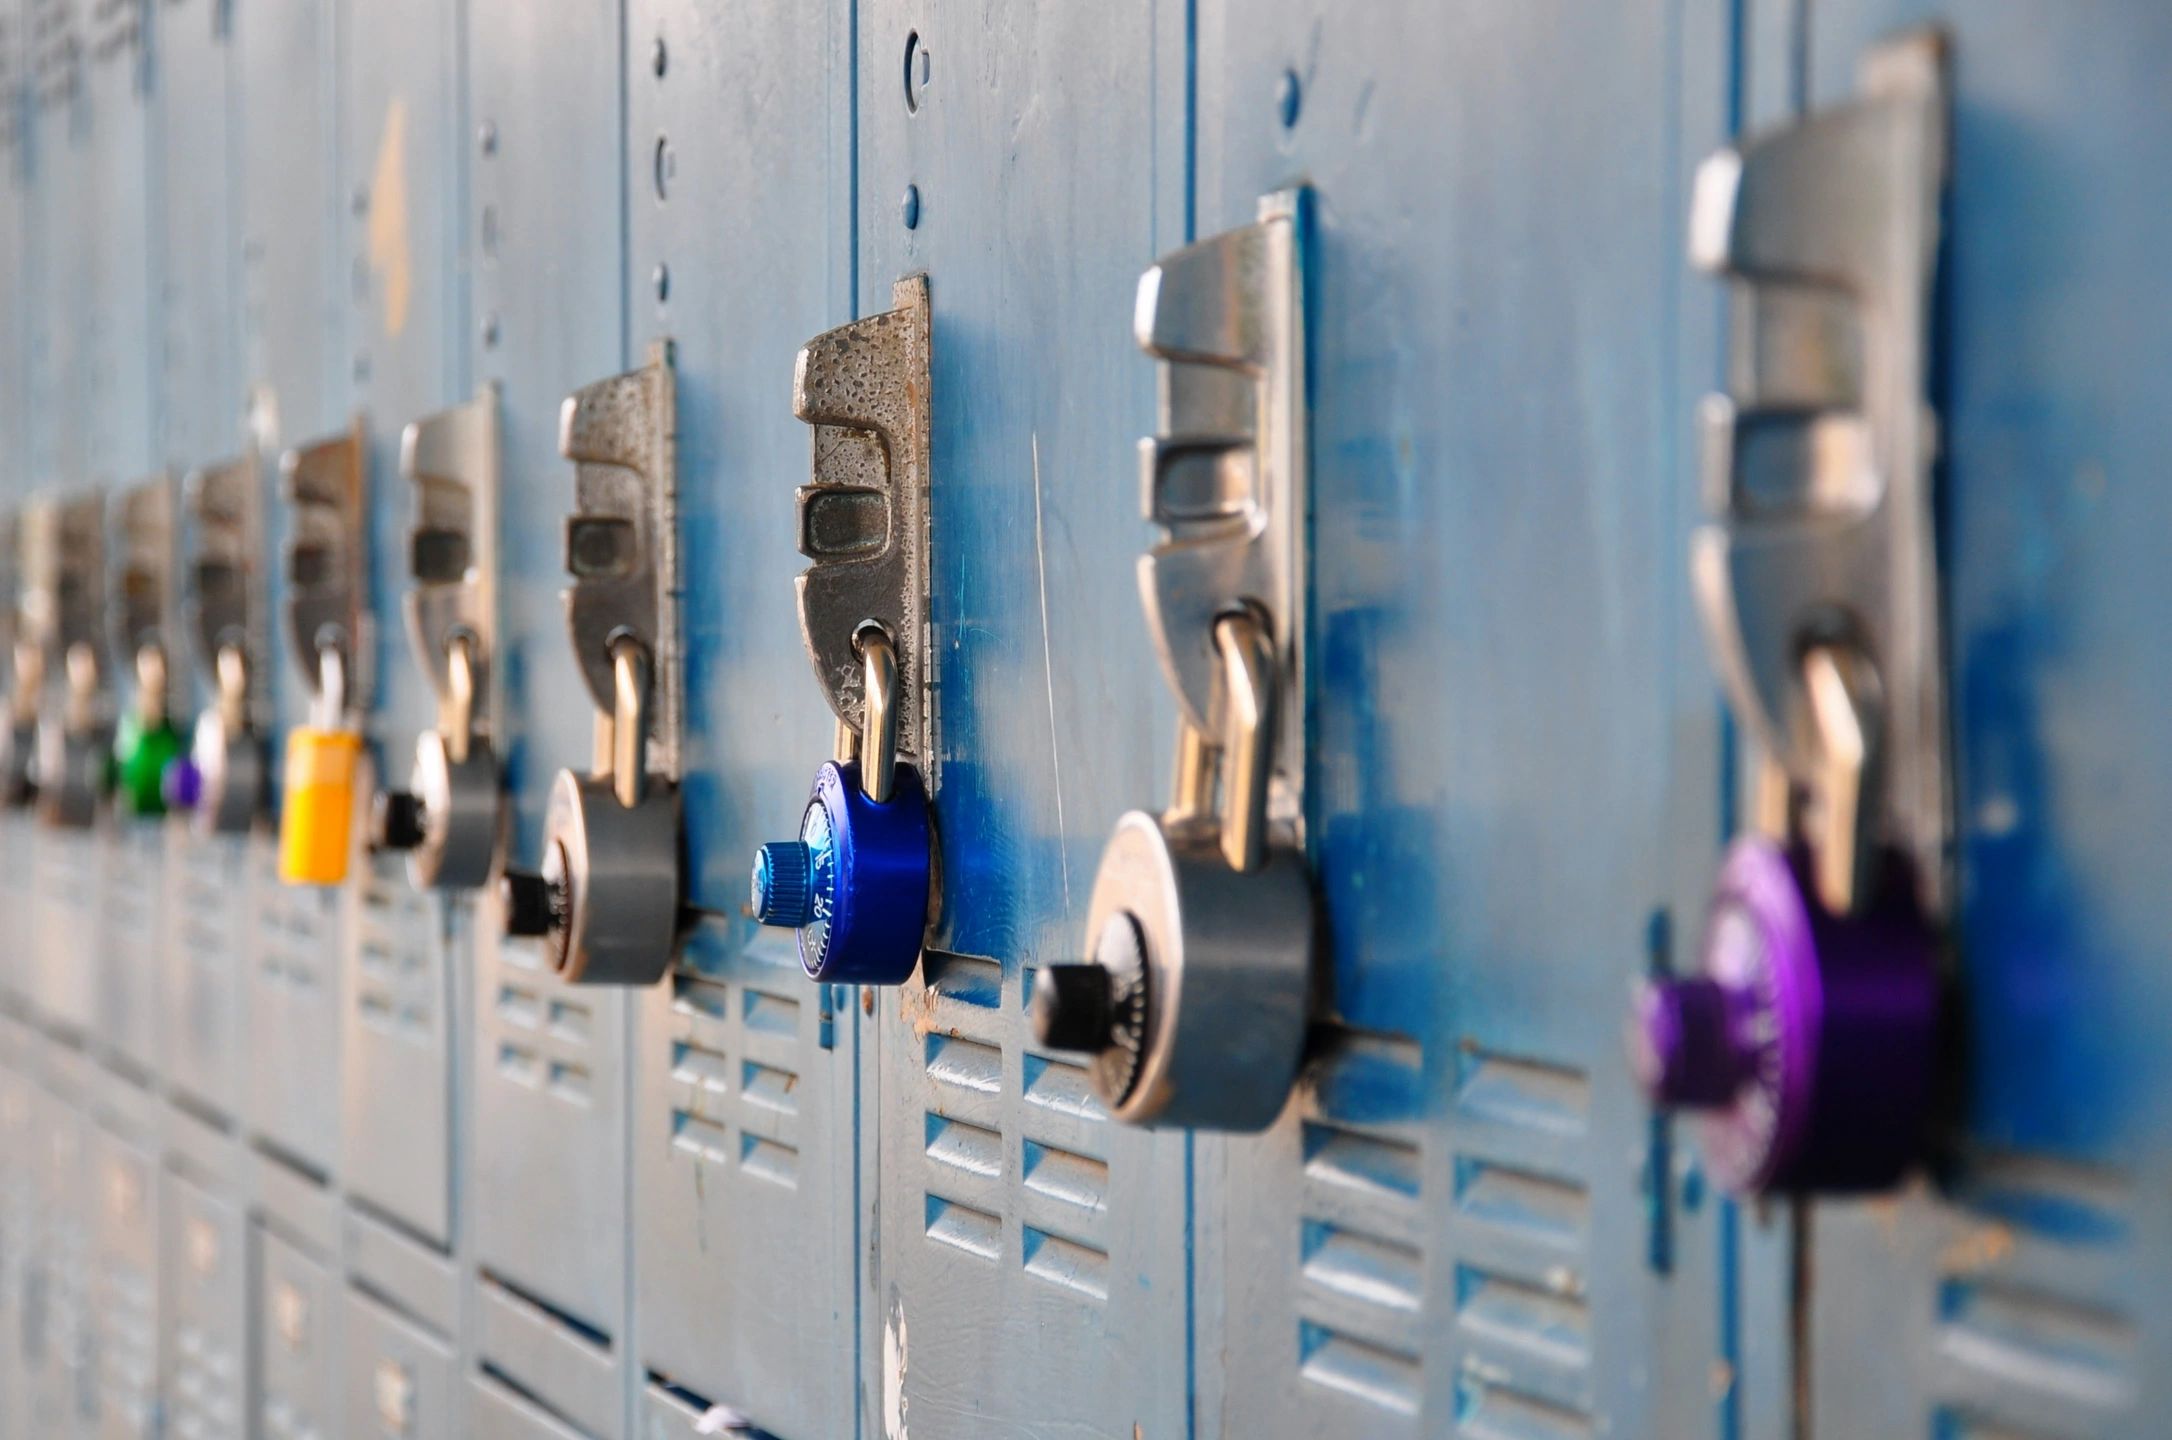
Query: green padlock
[141,753]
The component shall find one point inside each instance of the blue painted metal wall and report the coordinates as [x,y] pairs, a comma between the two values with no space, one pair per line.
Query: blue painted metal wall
[232,225]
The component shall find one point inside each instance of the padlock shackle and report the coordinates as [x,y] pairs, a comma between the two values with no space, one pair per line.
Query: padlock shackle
[1248,735]
[231,666]
[456,714]
[630,679]
[878,739]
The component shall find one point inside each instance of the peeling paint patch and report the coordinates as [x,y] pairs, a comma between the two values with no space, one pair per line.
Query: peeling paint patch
[390,255]
[893,1371]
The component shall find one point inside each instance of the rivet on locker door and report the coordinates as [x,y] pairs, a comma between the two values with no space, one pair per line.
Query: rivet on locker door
[1202,931]
[451,815]
[66,590]
[223,784]
[1808,1041]
[606,898]
[145,607]
[328,628]
[858,882]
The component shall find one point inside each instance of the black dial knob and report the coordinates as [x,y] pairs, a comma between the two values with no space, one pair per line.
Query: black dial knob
[531,904]
[396,821]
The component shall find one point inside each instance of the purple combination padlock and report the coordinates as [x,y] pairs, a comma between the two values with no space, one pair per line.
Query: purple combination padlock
[1808,1044]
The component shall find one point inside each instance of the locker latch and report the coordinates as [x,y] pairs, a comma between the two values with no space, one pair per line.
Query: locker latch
[66,600]
[1808,1042]
[223,782]
[26,674]
[333,644]
[450,816]
[607,898]
[1201,930]
[857,882]
[145,615]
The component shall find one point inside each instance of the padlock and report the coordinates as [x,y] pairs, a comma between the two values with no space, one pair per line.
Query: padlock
[145,743]
[1202,933]
[856,883]
[1808,1038]
[142,751]
[316,824]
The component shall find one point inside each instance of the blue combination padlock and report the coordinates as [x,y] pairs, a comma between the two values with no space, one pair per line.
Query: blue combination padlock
[855,884]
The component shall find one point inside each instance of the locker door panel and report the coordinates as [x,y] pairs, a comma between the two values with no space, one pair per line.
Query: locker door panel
[1031,1258]
[545,225]
[2027,1292]
[743,1072]
[403,161]
[293,326]
[395,1139]
[1516,769]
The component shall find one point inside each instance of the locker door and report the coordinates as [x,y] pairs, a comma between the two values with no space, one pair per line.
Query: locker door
[115,232]
[1515,736]
[200,401]
[2028,1293]
[738,167]
[292,332]
[403,160]
[545,229]
[1031,1263]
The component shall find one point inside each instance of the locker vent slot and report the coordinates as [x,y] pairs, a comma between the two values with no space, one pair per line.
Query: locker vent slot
[206,1397]
[1521,1225]
[1361,1266]
[204,923]
[734,1063]
[116,29]
[294,948]
[11,80]
[2032,1337]
[1024,1142]
[1488,1411]
[395,983]
[56,47]
[543,1039]
[127,1345]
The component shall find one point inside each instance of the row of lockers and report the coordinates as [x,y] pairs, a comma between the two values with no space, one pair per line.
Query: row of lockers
[347,1159]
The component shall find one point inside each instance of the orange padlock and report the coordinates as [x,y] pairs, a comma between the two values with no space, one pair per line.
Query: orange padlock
[316,827]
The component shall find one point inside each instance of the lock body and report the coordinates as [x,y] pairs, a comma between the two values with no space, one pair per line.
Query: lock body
[612,872]
[855,884]
[1195,1003]
[316,830]
[18,752]
[1805,1045]
[143,750]
[75,767]
[222,782]
[457,806]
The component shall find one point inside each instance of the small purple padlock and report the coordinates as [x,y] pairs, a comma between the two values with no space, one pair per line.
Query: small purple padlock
[1808,1043]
